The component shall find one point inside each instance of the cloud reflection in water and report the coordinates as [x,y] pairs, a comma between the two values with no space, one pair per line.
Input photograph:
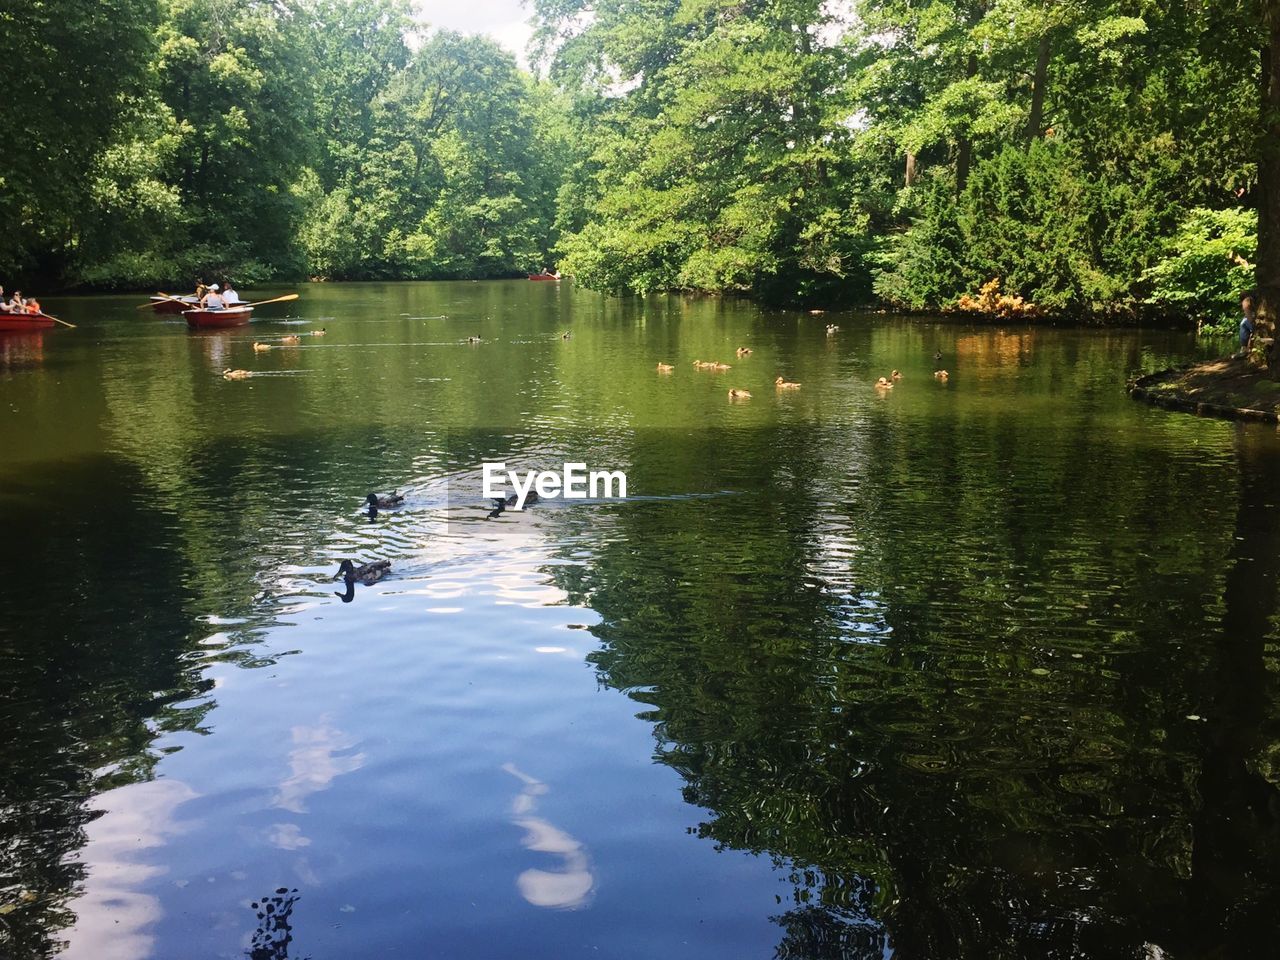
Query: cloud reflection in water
[565,889]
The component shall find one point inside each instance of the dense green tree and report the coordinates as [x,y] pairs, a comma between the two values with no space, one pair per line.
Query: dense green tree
[797,150]
[73,73]
[453,179]
[721,161]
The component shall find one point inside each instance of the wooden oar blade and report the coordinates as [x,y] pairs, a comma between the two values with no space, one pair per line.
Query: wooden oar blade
[287,296]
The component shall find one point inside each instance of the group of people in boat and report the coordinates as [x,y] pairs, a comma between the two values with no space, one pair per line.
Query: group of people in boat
[18,303]
[213,297]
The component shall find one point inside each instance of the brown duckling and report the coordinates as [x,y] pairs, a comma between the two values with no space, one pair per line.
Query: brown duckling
[319,333]
[941,375]
[292,339]
[719,366]
[744,351]
[666,368]
[736,394]
[261,347]
[229,374]
[895,376]
[786,384]
[883,384]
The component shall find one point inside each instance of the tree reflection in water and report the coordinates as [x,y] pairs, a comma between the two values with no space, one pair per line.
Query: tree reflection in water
[974,744]
[274,933]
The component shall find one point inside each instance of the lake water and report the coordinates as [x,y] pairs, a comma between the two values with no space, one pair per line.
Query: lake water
[978,668]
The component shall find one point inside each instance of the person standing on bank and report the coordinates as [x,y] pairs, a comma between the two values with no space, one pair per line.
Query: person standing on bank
[1246,324]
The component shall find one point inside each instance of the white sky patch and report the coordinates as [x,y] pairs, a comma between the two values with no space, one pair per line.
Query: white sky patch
[506,21]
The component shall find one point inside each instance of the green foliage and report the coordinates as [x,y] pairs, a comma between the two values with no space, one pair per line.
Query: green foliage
[72,73]
[791,151]
[1207,266]
[1036,218]
[235,137]
[451,181]
[726,165]
[927,265]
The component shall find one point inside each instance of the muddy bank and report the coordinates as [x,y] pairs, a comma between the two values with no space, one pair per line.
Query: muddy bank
[1231,388]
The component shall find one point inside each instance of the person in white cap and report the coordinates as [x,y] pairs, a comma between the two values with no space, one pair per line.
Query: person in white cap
[212,300]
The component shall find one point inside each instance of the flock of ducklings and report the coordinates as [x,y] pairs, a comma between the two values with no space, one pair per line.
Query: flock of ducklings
[882,383]
[715,367]
[375,570]
[262,346]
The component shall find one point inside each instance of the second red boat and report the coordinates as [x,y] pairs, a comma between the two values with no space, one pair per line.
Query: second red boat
[226,317]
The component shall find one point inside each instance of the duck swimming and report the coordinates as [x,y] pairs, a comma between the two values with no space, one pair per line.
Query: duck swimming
[665,368]
[292,339]
[318,333]
[736,394]
[260,347]
[883,384]
[895,375]
[832,329]
[785,384]
[941,375]
[393,499]
[229,374]
[567,335]
[499,505]
[366,573]
[472,340]
[744,351]
[720,366]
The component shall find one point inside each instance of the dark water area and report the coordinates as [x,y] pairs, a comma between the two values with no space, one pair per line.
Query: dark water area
[976,668]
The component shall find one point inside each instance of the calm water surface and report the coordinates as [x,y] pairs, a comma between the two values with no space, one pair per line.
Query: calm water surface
[976,669]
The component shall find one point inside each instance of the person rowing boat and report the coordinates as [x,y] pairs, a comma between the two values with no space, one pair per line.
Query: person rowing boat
[212,300]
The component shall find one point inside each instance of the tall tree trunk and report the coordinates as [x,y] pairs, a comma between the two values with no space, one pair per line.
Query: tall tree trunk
[201,181]
[1038,83]
[909,175]
[964,159]
[1268,268]
[964,149]
[1234,889]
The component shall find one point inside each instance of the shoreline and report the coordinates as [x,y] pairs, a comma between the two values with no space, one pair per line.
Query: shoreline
[1083,320]
[1227,389]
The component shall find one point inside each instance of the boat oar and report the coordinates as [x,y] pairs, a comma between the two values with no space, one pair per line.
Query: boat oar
[56,320]
[152,303]
[287,296]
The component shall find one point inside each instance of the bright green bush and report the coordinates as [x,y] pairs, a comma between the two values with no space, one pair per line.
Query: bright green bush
[1207,264]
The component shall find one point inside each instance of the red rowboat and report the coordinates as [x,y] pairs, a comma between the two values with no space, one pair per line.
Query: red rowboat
[226,317]
[25,321]
[173,304]
[543,276]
